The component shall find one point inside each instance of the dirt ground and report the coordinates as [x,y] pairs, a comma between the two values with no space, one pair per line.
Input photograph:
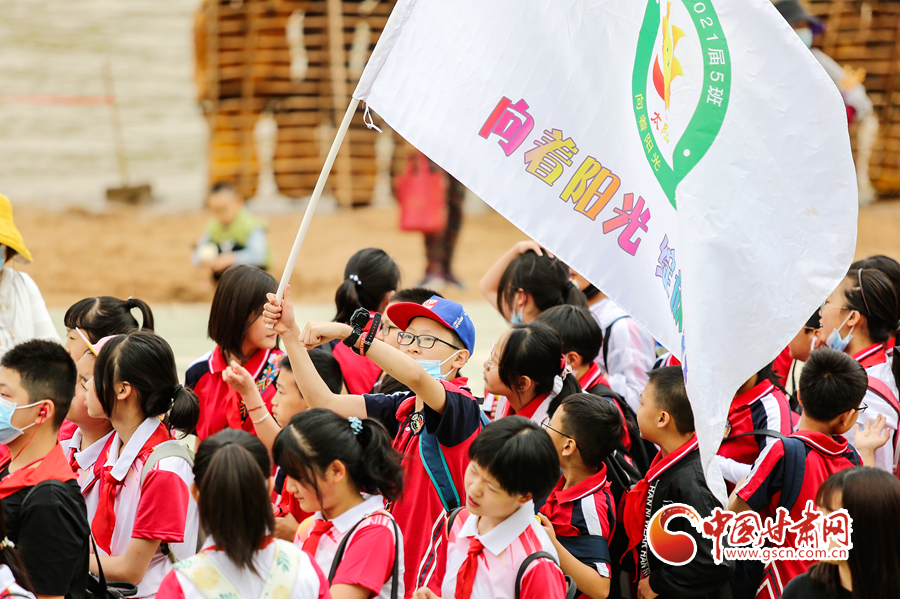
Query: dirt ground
[145,253]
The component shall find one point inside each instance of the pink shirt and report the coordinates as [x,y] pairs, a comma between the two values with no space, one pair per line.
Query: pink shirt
[162,509]
[368,559]
[85,462]
[505,548]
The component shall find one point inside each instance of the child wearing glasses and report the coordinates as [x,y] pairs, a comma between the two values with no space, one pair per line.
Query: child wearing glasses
[859,318]
[433,424]
[528,367]
[579,515]
[789,471]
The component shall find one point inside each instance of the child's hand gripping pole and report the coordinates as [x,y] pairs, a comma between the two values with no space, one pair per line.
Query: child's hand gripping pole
[314,199]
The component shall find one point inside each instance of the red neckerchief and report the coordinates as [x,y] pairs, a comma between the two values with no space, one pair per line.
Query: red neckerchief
[593,376]
[873,355]
[235,410]
[634,513]
[105,519]
[99,465]
[53,466]
[528,410]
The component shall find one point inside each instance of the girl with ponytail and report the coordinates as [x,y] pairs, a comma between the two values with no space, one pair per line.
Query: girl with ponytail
[528,370]
[231,488]
[859,318]
[99,317]
[330,462]
[143,518]
[370,277]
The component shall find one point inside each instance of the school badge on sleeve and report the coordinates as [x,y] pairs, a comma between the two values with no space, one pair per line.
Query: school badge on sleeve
[417,423]
[727,429]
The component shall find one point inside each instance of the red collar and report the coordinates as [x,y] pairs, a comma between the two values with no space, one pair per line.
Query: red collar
[828,445]
[872,356]
[660,464]
[588,486]
[755,393]
[53,466]
[217,361]
[591,377]
[532,407]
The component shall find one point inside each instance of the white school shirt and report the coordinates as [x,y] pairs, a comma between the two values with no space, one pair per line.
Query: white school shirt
[632,351]
[310,583]
[171,488]
[23,312]
[8,585]
[329,542]
[884,455]
[505,548]
[86,459]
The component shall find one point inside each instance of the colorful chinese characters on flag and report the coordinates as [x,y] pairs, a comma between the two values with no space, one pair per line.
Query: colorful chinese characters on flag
[688,157]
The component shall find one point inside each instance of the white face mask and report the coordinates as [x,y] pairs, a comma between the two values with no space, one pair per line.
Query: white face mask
[806,36]
[2,253]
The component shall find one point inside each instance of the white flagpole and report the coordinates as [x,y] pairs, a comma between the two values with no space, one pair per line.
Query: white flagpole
[314,199]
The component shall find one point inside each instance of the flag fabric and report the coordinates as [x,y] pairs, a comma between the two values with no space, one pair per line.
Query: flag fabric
[689,158]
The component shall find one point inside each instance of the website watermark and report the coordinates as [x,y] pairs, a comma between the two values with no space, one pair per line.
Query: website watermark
[745,536]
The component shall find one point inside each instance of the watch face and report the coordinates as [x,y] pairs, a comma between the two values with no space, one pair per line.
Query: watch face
[417,423]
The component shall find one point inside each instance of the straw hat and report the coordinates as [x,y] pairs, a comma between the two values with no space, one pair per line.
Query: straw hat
[9,234]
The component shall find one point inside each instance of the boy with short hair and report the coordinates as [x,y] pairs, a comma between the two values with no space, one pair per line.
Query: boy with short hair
[233,235]
[433,424]
[50,530]
[512,462]
[579,514]
[832,386]
[675,476]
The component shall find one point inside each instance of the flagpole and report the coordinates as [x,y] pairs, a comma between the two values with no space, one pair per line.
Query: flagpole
[314,199]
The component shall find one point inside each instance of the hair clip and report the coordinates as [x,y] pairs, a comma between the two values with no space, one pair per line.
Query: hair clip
[355,424]
[6,543]
[355,279]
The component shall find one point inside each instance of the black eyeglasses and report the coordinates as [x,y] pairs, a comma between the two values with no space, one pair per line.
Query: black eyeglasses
[862,408]
[546,424]
[424,341]
[387,328]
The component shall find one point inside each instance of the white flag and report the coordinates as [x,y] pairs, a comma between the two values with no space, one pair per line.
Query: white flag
[690,158]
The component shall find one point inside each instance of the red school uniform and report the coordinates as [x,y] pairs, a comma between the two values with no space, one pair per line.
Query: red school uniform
[536,410]
[420,512]
[881,398]
[359,372]
[761,407]
[221,406]
[583,517]
[762,491]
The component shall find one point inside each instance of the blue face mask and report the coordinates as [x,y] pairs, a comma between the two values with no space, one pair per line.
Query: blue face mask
[433,367]
[835,341]
[7,431]
[516,318]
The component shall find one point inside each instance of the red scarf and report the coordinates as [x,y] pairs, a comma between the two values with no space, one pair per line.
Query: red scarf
[53,466]
[465,578]
[105,519]
[311,544]
[634,514]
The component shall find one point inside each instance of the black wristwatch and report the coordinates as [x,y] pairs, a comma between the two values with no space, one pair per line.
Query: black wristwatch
[358,321]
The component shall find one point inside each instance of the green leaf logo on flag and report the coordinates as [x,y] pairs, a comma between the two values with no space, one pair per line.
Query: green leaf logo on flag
[681,86]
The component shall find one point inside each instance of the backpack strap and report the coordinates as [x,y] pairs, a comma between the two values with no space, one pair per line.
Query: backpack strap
[198,568]
[438,471]
[451,517]
[606,340]
[170,449]
[794,471]
[284,571]
[342,547]
[571,589]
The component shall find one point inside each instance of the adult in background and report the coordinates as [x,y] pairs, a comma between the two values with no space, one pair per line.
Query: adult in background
[23,313]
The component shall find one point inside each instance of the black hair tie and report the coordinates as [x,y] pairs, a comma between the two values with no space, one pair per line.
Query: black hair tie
[178,387]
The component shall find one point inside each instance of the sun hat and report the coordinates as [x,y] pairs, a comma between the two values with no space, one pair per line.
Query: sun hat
[9,234]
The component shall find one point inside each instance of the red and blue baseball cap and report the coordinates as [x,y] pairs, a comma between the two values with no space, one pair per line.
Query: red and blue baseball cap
[447,312]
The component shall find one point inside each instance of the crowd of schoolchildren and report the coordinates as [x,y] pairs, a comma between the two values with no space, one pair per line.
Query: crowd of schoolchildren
[355,462]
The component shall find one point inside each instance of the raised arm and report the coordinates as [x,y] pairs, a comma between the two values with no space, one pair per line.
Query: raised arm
[490,282]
